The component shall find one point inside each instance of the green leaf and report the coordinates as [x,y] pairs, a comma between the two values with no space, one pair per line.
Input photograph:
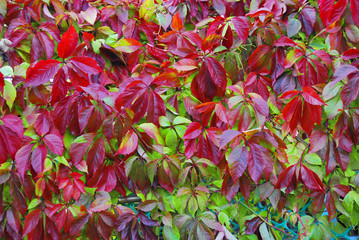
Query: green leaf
[313,159]
[147,9]
[34,203]
[9,93]
[164,122]
[181,120]
[90,191]
[223,218]
[7,70]
[62,159]
[171,233]
[152,131]
[3,7]
[181,130]
[192,206]
[171,138]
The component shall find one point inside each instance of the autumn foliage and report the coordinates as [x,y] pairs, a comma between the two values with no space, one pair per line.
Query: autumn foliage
[227,119]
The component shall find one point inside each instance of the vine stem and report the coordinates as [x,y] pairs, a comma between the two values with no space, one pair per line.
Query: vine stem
[264,220]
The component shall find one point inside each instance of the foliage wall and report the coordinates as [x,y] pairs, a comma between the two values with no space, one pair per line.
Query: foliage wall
[227,119]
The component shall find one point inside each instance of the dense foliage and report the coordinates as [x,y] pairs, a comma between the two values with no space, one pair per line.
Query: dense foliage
[229,119]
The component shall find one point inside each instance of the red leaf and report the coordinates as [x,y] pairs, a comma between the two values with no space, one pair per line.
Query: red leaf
[342,190]
[13,218]
[78,223]
[127,45]
[177,22]
[185,64]
[59,89]
[22,159]
[311,179]
[31,220]
[221,112]
[241,27]
[252,225]
[318,140]
[38,157]
[285,177]
[354,8]
[229,188]
[351,53]
[342,72]
[218,73]
[260,58]
[210,41]
[96,155]
[237,162]
[156,108]
[337,11]
[42,124]
[129,143]
[41,72]
[169,79]
[330,206]
[256,162]
[350,91]
[54,143]
[47,44]
[193,130]
[228,136]
[78,150]
[85,65]
[68,43]
[325,7]
[2,83]
[311,97]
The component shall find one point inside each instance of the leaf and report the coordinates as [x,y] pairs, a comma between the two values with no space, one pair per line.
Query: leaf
[78,224]
[256,164]
[31,220]
[102,202]
[90,15]
[22,159]
[147,206]
[260,58]
[293,27]
[38,157]
[85,65]
[350,91]
[354,8]
[68,43]
[311,179]
[237,162]
[228,136]
[41,72]
[96,155]
[342,72]
[311,97]
[219,6]
[185,64]
[127,45]
[318,140]
[129,143]
[54,143]
[9,93]
[177,22]
[210,41]
[194,129]
[241,27]
[152,131]
[171,233]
